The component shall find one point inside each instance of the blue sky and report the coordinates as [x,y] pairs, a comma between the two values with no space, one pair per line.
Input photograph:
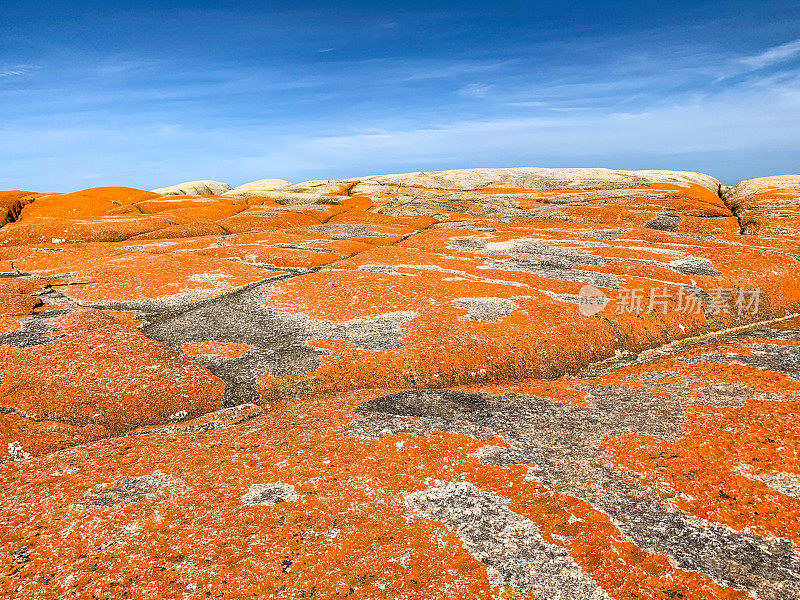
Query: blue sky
[149,94]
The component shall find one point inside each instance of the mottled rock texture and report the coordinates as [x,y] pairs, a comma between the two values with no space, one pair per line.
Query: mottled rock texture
[393,387]
[206,186]
[768,205]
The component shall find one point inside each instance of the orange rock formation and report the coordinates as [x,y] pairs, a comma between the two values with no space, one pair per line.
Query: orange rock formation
[393,387]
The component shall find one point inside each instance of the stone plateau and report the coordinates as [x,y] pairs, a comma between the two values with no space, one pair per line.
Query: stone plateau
[395,387]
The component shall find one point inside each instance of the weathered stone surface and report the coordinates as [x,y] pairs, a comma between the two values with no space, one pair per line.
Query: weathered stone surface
[393,387]
[12,203]
[536,179]
[262,187]
[190,188]
[646,481]
[768,205]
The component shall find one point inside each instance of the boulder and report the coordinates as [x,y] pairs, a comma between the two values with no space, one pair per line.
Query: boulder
[193,188]
[767,205]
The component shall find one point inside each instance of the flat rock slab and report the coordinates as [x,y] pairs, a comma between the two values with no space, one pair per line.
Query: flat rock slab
[515,383]
[674,477]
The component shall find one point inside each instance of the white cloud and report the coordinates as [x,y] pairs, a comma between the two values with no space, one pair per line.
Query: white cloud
[528,104]
[754,123]
[16,71]
[575,119]
[476,90]
[773,55]
[455,69]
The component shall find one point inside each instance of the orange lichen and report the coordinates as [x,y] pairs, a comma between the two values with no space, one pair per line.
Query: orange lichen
[230,350]
[349,533]
[137,480]
[108,375]
[94,202]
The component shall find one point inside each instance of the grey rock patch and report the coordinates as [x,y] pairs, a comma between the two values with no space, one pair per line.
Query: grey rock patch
[221,419]
[486,308]
[464,225]
[768,568]
[773,334]
[179,416]
[508,543]
[767,357]
[694,266]
[563,446]
[346,231]
[269,494]
[16,452]
[787,484]
[53,314]
[665,221]
[279,342]
[375,427]
[561,267]
[443,404]
[737,392]
[566,298]
[538,258]
[57,298]
[600,234]
[553,260]
[129,490]
[34,331]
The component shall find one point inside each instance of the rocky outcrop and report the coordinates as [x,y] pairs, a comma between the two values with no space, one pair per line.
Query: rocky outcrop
[768,205]
[262,187]
[477,179]
[485,383]
[12,203]
[192,188]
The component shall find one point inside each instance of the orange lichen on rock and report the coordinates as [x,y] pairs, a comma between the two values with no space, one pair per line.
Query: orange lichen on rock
[720,469]
[11,204]
[22,437]
[98,371]
[396,387]
[768,206]
[230,350]
[410,495]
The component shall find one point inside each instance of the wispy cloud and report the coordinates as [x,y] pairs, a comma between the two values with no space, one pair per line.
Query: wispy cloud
[528,104]
[299,96]
[444,69]
[774,55]
[476,90]
[740,122]
[16,71]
